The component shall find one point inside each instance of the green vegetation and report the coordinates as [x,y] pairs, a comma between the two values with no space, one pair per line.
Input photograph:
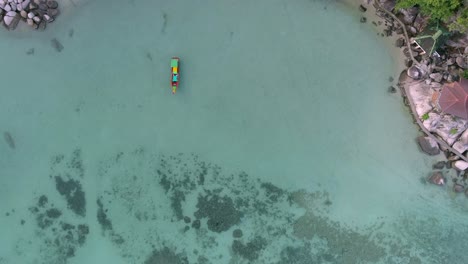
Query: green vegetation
[465,74]
[425,116]
[453,131]
[442,10]
[461,23]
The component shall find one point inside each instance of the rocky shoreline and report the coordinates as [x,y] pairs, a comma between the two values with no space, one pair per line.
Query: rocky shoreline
[422,77]
[36,13]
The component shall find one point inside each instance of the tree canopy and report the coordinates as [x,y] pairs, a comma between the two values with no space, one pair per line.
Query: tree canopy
[453,12]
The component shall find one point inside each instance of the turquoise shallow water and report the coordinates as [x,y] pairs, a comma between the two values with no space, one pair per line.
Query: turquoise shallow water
[282,128]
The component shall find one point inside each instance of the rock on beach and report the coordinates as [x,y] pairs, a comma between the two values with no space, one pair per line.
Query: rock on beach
[437,178]
[428,145]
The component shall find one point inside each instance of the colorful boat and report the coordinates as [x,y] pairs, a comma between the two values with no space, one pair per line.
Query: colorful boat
[174,74]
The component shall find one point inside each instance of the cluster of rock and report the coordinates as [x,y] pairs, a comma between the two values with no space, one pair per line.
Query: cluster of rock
[428,75]
[36,13]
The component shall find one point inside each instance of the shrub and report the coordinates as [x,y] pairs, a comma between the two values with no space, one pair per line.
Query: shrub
[453,131]
[425,116]
[465,74]
[461,22]
[436,9]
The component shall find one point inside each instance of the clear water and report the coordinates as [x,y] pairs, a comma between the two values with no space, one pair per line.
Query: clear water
[282,128]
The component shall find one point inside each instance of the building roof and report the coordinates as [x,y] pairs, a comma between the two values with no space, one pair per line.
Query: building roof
[454,98]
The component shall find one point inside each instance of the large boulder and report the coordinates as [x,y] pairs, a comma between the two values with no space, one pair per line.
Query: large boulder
[460,165]
[415,72]
[428,145]
[400,42]
[11,20]
[25,4]
[460,147]
[464,137]
[458,188]
[437,77]
[408,16]
[439,165]
[448,128]
[437,178]
[421,95]
[462,62]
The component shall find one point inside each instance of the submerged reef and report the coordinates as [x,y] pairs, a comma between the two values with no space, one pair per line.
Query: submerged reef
[157,208]
[58,239]
[220,212]
[165,255]
[161,194]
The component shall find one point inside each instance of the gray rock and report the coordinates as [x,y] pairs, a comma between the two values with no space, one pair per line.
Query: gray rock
[31,15]
[452,157]
[437,77]
[460,165]
[392,89]
[11,21]
[30,21]
[436,85]
[412,30]
[464,137]
[362,8]
[41,26]
[52,4]
[13,6]
[420,22]
[37,19]
[53,13]
[408,62]
[428,145]
[458,188]
[24,14]
[400,42]
[450,78]
[25,4]
[363,20]
[460,147]
[414,72]
[47,18]
[408,16]
[466,51]
[7,8]
[439,165]
[7,20]
[437,178]
[399,30]
[33,6]
[461,61]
